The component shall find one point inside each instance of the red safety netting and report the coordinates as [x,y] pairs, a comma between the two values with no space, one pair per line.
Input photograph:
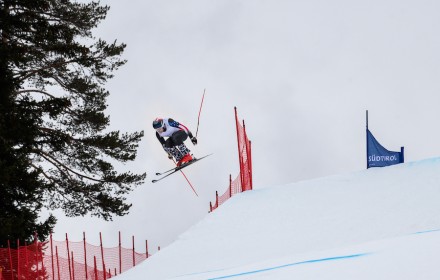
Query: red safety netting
[114,261]
[26,262]
[244,151]
[67,260]
[243,182]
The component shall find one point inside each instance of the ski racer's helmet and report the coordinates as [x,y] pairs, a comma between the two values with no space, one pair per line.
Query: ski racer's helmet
[158,123]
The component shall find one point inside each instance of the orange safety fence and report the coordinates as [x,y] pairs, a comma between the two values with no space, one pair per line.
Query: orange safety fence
[243,182]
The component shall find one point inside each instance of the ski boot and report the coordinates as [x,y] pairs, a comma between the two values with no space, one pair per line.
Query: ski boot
[185,159]
[186,156]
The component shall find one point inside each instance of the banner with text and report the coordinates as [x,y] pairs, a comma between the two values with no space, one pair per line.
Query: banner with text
[378,156]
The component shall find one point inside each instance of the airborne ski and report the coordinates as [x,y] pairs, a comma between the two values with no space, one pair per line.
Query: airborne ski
[175,169]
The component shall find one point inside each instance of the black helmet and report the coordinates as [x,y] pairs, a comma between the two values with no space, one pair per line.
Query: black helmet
[157,123]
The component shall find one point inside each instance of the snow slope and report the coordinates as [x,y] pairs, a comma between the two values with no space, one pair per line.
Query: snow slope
[381,223]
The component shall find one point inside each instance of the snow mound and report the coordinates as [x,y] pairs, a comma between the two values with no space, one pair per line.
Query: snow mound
[341,224]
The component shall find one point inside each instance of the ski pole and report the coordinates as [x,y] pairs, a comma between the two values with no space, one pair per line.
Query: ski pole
[200,110]
[189,183]
[186,178]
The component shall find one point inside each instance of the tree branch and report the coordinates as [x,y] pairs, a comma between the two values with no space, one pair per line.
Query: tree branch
[54,65]
[42,172]
[35,90]
[47,94]
[51,159]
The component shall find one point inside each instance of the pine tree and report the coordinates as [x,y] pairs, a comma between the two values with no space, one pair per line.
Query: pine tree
[55,151]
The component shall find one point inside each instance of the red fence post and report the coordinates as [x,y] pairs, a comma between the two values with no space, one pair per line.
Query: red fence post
[96,269]
[134,263]
[38,254]
[40,250]
[51,253]
[102,255]
[58,263]
[10,260]
[73,267]
[85,255]
[243,152]
[120,254]
[248,158]
[37,251]
[18,259]
[250,164]
[27,261]
[68,257]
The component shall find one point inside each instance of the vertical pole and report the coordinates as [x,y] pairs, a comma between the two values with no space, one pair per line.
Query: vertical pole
[134,262]
[27,262]
[102,256]
[85,255]
[216,199]
[68,257]
[367,138]
[18,259]
[367,119]
[10,260]
[146,249]
[238,144]
[210,207]
[245,174]
[96,269]
[51,253]
[248,159]
[120,254]
[250,164]
[58,263]
[43,268]
[73,267]
[200,110]
[37,251]
[402,155]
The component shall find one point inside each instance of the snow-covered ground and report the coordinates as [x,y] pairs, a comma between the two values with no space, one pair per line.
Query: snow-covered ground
[381,223]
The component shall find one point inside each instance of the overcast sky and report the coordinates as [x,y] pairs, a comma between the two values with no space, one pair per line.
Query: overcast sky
[301,73]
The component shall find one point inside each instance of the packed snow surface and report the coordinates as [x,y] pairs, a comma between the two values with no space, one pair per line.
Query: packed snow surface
[381,223]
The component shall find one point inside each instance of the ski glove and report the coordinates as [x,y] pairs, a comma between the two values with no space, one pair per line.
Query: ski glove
[194,140]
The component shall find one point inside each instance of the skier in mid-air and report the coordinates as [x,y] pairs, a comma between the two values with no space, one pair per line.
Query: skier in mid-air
[177,133]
